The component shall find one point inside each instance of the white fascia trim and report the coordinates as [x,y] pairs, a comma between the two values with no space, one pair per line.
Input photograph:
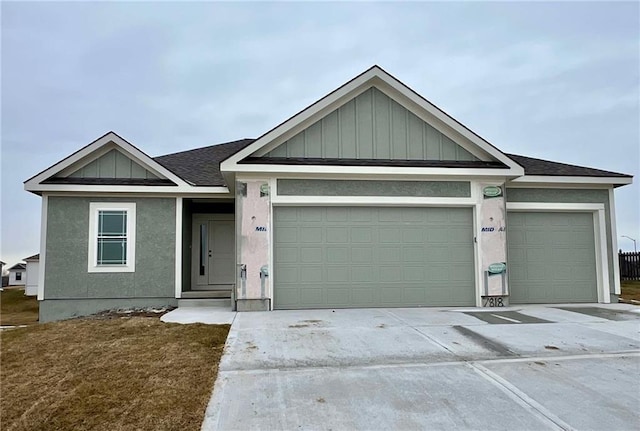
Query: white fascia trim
[370,78]
[43,246]
[86,152]
[182,189]
[553,206]
[370,201]
[544,180]
[130,208]
[614,242]
[371,170]
[178,258]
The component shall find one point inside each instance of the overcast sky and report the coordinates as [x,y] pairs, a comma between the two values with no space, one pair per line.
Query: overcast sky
[558,81]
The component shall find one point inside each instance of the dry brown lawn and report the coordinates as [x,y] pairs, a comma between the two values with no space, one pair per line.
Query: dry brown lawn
[630,290]
[109,373]
[17,309]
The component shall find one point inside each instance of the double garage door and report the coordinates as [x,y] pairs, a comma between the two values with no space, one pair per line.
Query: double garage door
[343,257]
[551,257]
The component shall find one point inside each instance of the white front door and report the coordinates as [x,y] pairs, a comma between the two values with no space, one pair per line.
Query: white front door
[213,251]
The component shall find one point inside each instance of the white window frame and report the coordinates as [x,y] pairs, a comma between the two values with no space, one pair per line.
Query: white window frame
[94,209]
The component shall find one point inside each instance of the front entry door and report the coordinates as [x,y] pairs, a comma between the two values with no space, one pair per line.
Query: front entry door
[213,251]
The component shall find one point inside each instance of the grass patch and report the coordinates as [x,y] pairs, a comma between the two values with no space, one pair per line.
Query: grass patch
[17,309]
[630,289]
[109,373]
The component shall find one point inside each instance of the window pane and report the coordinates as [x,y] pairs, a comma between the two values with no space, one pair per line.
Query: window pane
[112,223]
[112,251]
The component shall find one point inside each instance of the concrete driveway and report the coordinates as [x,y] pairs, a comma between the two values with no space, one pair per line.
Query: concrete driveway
[526,368]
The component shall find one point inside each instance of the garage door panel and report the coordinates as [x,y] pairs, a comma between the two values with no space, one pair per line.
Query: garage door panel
[361,235]
[337,254]
[374,257]
[286,255]
[389,274]
[551,257]
[333,214]
[311,255]
[362,274]
[338,274]
[337,235]
[362,254]
[287,235]
[389,254]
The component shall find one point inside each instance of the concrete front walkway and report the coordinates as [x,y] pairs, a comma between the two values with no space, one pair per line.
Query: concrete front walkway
[527,368]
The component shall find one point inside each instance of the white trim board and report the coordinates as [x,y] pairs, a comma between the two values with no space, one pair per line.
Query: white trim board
[90,188]
[94,208]
[421,172]
[544,180]
[43,246]
[178,256]
[614,242]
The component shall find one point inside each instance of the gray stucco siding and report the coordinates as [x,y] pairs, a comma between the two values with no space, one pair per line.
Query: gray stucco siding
[572,196]
[66,273]
[311,187]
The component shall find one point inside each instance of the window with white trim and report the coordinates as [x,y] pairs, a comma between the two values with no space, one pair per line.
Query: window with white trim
[112,236]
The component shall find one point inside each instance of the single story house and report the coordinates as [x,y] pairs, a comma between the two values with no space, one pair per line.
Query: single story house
[18,274]
[33,271]
[370,197]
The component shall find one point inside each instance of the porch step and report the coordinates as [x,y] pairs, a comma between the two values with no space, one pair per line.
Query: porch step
[212,302]
[199,294]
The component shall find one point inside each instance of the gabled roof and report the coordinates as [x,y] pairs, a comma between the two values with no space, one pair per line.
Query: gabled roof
[32,258]
[56,177]
[400,93]
[541,167]
[18,267]
[201,166]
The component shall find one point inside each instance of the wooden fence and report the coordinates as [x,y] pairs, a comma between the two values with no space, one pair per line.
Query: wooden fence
[629,265]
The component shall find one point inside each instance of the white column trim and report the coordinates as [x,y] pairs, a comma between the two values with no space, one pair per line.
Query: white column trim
[43,246]
[178,256]
[602,267]
[614,242]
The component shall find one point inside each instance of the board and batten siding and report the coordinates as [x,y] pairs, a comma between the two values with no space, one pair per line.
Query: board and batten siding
[113,164]
[66,276]
[572,196]
[372,126]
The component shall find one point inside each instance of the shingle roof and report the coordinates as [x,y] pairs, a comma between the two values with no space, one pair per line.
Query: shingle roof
[34,257]
[547,168]
[201,166]
[19,266]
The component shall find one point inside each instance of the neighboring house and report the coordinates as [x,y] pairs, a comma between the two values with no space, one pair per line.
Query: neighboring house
[370,197]
[33,270]
[2,264]
[18,274]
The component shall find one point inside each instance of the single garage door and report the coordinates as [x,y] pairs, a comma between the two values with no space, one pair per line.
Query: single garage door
[342,257]
[551,257]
